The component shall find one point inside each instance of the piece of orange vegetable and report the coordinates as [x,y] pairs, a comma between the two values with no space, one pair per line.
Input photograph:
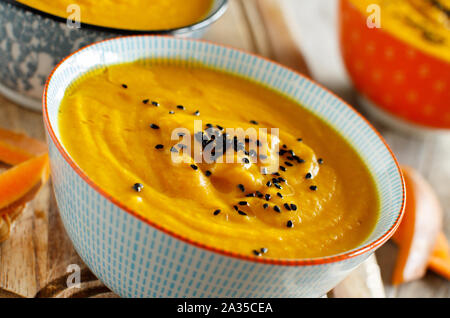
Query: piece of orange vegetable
[16,182]
[439,261]
[16,148]
[417,234]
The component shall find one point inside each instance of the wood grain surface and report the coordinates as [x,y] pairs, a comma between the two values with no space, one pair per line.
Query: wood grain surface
[34,261]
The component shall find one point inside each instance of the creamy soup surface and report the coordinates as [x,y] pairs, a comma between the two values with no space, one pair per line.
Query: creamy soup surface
[121,126]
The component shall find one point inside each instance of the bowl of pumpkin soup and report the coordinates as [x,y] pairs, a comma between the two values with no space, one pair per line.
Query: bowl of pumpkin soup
[37,34]
[195,170]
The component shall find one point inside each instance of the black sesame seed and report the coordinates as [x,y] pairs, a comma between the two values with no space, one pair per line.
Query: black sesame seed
[282,168]
[247,140]
[258,143]
[281,152]
[154,103]
[171,112]
[276,208]
[254,122]
[277,186]
[197,113]
[267,197]
[180,107]
[293,207]
[284,146]
[280,179]
[124,85]
[308,175]
[299,160]
[250,195]
[145,101]
[241,187]
[138,187]
[154,126]
[242,212]
[264,250]
[209,125]
[280,195]
[173,149]
[216,212]
[287,163]
[320,161]
[243,203]
[236,207]
[289,224]
[276,174]
[219,127]
[269,183]
[159,146]
[299,139]
[265,205]
[207,173]
[245,160]
[292,153]
[287,206]
[257,253]
[194,167]
[313,188]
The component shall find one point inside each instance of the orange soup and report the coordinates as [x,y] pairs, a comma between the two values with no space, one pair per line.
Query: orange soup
[156,137]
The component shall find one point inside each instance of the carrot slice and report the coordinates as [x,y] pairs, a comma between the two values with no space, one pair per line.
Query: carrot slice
[12,209]
[16,148]
[439,261]
[19,180]
[417,234]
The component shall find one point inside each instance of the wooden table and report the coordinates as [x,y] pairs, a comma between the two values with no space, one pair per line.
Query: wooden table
[34,260]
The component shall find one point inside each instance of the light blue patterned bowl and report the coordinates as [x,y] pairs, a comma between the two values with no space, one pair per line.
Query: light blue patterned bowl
[32,42]
[136,258]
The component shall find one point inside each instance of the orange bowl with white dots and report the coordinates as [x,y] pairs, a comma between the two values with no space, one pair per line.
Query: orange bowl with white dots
[398,82]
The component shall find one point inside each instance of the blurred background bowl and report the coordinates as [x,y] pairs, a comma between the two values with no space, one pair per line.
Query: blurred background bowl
[32,42]
[399,84]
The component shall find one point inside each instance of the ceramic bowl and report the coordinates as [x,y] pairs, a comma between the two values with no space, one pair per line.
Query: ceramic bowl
[33,42]
[398,83]
[138,258]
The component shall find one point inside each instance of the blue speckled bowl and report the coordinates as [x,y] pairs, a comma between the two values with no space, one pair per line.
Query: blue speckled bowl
[33,42]
[137,258]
